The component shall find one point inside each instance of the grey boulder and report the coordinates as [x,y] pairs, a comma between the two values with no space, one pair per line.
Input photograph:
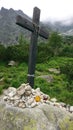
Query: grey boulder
[42,117]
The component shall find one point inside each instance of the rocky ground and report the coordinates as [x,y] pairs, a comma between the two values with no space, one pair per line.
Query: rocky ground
[27,97]
[26,108]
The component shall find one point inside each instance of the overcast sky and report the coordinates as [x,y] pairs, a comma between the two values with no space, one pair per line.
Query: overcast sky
[50,9]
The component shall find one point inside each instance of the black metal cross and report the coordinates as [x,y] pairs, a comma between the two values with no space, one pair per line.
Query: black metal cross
[34,27]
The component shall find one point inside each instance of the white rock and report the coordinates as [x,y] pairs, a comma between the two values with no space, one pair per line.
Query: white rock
[63,104]
[56,71]
[53,99]
[30,101]
[37,93]
[57,104]
[28,87]
[22,105]
[41,93]
[71,108]
[37,89]
[48,102]
[34,104]
[22,85]
[39,103]
[11,94]
[42,100]
[5,98]
[41,96]
[16,102]
[23,98]
[33,91]
[17,97]
[11,98]
[28,93]
[12,63]
[21,89]
[10,89]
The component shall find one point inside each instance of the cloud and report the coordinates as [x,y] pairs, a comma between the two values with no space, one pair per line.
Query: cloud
[50,9]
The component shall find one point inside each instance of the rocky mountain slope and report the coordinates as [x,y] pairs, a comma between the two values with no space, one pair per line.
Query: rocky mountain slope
[10,32]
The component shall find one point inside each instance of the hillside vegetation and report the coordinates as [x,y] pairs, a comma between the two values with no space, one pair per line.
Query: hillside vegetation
[54,55]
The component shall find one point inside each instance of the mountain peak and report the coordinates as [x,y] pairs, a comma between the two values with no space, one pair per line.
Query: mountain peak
[9,31]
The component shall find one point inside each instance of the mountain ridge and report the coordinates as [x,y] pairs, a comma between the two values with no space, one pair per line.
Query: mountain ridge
[9,31]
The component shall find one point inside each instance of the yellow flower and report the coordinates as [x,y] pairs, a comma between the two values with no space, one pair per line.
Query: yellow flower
[37,98]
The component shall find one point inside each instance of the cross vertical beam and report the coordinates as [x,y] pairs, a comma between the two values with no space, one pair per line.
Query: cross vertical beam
[36,30]
[33,47]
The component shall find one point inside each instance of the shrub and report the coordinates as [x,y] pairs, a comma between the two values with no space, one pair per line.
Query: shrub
[67,51]
[55,43]
[68,70]
[44,53]
[17,53]
[2,52]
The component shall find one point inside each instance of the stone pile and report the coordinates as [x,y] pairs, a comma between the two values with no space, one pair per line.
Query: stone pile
[27,97]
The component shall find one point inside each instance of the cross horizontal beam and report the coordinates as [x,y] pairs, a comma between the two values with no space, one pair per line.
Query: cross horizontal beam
[28,24]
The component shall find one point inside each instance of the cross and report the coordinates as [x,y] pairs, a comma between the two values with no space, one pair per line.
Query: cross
[36,30]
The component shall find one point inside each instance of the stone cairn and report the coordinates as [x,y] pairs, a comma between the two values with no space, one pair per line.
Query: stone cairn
[27,97]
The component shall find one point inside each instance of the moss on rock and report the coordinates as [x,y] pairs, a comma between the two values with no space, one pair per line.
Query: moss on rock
[66,124]
[43,117]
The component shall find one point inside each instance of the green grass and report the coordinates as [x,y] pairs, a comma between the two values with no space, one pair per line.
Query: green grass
[15,76]
[12,76]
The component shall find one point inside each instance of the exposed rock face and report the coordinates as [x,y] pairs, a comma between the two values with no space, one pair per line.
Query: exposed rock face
[9,31]
[30,109]
[42,117]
